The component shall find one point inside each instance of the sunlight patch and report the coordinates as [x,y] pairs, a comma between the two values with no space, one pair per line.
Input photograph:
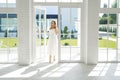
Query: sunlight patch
[100,69]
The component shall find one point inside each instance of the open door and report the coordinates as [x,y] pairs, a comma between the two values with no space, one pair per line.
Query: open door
[40,33]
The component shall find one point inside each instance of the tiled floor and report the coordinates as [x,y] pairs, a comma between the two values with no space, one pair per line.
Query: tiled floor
[60,71]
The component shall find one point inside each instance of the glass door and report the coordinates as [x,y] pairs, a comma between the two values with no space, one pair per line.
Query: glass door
[8,38]
[70,19]
[40,33]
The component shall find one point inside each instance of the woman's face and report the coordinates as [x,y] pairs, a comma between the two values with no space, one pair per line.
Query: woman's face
[52,24]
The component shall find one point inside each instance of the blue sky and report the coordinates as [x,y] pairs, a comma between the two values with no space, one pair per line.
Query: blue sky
[65,16]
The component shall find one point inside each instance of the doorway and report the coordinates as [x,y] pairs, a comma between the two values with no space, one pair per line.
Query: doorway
[68,20]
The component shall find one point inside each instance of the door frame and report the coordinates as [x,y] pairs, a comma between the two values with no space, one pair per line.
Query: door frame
[62,5]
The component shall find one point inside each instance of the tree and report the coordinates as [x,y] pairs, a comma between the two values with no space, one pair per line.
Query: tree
[105,5]
[6,33]
[103,19]
[61,33]
[112,18]
[72,34]
[114,5]
[65,31]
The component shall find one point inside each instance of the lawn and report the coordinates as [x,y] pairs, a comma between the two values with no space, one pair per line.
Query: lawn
[104,43]
[66,42]
[69,42]
[8,42]
[12,42]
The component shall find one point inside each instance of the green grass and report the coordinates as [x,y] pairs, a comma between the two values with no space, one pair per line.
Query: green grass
[12,42]
[69,42]
[8,42]
[103,43]
[113,36]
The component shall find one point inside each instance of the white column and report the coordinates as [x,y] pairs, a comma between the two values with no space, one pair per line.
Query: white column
[25,31]
[91,31]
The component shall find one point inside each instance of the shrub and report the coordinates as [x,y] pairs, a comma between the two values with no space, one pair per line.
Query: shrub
[66,44]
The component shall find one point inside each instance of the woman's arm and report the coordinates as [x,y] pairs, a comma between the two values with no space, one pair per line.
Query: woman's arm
[57,31]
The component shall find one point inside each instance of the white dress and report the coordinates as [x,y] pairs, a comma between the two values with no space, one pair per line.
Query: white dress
[52,46]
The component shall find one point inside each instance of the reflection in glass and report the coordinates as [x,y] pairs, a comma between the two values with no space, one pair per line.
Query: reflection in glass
[113,3]
[3,3]
[112,18]
[11,3]
[103,18]
[104,3]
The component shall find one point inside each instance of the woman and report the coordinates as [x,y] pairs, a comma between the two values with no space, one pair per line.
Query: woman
[52,41]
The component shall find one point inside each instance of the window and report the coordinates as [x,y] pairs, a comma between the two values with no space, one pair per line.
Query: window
[110,3]
[8,3]
[8,37]
[108,39]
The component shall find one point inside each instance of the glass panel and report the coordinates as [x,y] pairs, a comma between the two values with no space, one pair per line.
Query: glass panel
[44,16]
[65,53]
[118,54]
[104,3]
[3,55]
[118,43]
[13,56]
[112,42]
[118,3]
[118,19]
[65,41]
[65,21]
[75,18]
[75,26]
[102,54]
[65,27]
[8,36]
[74,40]
[113,3]
[75,53]
[103,18]
[102,36]
[40,33]
[118,29]
[112,37]
[70,33]
[11,3]
[112,18]
[3,19]
[3,3]
[4,49]
[65,34]
[112,55]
